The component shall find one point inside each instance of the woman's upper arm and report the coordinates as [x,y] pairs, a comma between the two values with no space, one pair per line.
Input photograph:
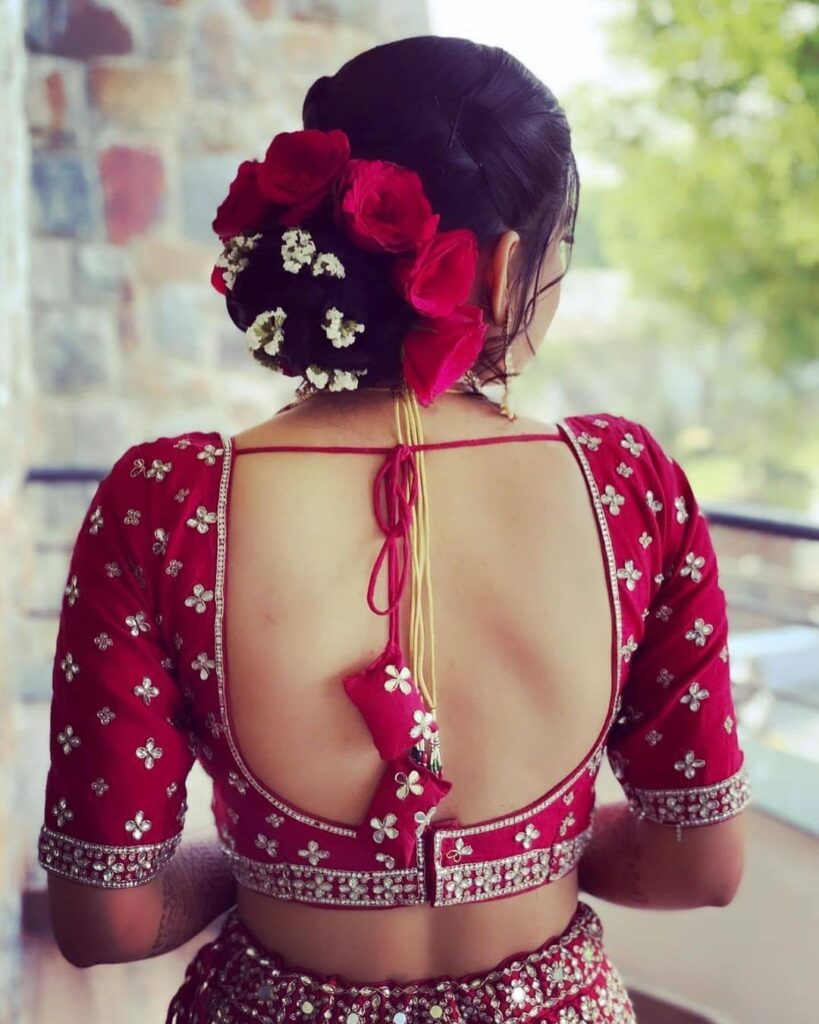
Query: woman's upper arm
[120,754]
[674,747]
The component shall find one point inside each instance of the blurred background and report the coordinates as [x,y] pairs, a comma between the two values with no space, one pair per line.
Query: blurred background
[691,305]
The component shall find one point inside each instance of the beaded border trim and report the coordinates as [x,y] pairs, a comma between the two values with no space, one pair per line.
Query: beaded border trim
[108,867]
[467,882]
[473,881]
[698,805]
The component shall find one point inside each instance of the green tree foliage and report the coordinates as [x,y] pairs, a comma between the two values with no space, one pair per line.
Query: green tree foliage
[717,201]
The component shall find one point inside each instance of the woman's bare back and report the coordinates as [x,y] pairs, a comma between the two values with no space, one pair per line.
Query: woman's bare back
[523,642]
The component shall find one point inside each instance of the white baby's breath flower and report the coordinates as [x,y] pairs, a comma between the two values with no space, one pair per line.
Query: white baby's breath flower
[328,263]
[234,257]
[341,332]
[298,249]
[317,377]
[345,380]
[266,331]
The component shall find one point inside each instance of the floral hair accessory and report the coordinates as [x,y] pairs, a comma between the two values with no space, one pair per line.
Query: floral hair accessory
[266,331]
[337,380]
[341,332]
[233,260]
[299,250]
[382,207]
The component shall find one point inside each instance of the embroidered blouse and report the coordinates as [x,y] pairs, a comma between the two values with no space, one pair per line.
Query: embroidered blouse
[140,679]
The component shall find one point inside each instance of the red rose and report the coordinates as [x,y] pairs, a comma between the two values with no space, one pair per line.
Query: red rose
[441,349]
[299,169]
[383,206]
[217,279]
[440,275]
[244,205]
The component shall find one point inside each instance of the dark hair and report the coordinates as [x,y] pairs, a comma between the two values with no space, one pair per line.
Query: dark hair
[492,147]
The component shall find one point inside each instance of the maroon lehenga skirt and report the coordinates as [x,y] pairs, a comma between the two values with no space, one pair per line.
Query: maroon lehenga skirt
[567,980]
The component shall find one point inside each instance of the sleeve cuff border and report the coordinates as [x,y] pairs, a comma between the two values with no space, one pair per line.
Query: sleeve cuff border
[107,867]
[694,805]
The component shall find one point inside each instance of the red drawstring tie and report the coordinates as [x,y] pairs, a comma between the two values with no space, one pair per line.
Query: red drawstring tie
[395,491]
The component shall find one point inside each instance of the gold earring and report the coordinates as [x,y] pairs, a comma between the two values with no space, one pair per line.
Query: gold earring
[508,368]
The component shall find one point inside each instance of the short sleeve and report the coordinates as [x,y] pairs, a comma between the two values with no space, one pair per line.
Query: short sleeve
[120,752]
[674,745]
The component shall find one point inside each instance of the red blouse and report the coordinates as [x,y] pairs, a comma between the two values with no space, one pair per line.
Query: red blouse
[140,677]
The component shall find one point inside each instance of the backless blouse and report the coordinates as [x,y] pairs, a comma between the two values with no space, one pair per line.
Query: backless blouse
[140,683]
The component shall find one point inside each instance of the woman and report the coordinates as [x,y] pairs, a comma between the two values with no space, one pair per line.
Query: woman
[264,603]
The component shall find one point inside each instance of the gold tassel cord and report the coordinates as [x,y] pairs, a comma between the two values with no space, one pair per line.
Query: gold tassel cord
[411,432]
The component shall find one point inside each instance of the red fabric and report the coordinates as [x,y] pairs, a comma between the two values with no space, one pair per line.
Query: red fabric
[568,979]
[141,688]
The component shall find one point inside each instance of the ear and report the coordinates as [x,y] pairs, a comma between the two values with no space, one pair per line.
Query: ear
[498,275]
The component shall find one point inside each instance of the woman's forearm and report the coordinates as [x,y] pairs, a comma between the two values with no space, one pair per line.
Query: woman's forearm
[638,865]
[196,887]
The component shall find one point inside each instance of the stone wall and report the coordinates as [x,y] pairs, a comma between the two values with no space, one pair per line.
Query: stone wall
[139,114]
[15,538]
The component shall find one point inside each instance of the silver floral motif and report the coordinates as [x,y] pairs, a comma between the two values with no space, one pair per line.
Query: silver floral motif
[527,836]
[592,443]
[150,753]
[274,819]
[612,500]
[100,786]
[239,784]
[682,513]
[202,520]
[408,783]
[158,470]
[95,521]
[461,849]
[628,648]
[567,823]
[138,825]
[664,612]
[72,590]
[69,666]
[106,715]
[183,443]
[624,469]
[693,564]
[699,632]
[689,764]
[630,573]
[653,737]
[68,740]
[181,494]
[137,623]
[665,678]
[387,860]
[173,568]
[199,599]
[216,728]
[645,539]
[314,854]
[269,846]
[695,696]
[132,517]
[424,725]
[397,680]
[209,454]
[653,503]
[62,812]
[633,446]
[103,641]
[384,829]
[422,819]
[203,665]
[160,544]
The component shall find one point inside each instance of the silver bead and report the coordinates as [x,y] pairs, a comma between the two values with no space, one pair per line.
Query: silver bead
[518,995]
[352,1018]
[306,1006]
[399,1018]
[436,1012]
